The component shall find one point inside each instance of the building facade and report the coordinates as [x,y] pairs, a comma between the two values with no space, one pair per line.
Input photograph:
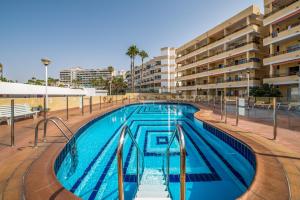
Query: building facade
[83,77]
[157,74]
[225,60]
[282,40]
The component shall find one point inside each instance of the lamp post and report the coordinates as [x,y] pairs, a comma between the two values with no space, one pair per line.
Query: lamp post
[110,87]
[46,62]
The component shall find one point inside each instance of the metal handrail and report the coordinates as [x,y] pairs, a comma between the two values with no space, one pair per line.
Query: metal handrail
[51,119]
[61,121]
[179,133]
[124,131]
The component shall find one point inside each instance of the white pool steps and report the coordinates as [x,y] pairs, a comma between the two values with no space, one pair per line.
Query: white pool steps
[153,186]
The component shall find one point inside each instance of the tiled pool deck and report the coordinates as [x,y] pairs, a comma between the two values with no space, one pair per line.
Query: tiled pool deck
[27,171]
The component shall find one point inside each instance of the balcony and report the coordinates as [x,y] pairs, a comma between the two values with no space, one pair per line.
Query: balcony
[291,31]
[226,84]
[282,79]
[252,63]
[233,84]
[282,12]
[283,56]
[241,48]
[234,35]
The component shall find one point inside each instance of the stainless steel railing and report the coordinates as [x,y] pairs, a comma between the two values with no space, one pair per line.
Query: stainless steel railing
[126,130]
[179,133]
[54,121]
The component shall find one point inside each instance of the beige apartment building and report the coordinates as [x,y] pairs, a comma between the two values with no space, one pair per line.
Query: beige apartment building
[157,74]
[225,60]
[282,40]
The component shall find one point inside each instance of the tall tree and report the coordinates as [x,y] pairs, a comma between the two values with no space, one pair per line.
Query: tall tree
[1,71]
[132,52]
[143,54]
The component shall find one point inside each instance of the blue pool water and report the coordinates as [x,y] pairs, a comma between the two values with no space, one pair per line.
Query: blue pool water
[218,166]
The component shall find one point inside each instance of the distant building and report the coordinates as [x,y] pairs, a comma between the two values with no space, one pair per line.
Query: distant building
[83,77]
[157,74]
[120,73]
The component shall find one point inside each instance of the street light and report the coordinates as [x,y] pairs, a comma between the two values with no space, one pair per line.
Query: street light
[110,87]
[46,62]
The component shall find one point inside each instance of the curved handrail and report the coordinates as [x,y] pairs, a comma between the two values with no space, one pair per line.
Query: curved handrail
[179,133]
[60,120]
[124,131]
[46,123]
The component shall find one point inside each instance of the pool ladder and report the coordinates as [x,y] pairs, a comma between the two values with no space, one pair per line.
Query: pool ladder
[55,121]
[178,133]
[124,132]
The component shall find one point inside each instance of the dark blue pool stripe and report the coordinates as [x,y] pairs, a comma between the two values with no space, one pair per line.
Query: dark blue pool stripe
[108,165]
[157,110]
[235,172]
[102,177]
[213,176]
[234,143]
[79,180]
[147,153]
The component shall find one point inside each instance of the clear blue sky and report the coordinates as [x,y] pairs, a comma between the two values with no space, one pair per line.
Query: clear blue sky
[97,33]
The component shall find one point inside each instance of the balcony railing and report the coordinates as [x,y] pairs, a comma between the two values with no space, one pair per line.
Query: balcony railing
[231,48]
[240,62]
[231,33]
[275,33]
[279,8]
[223,81]
[276,75]
[290,50]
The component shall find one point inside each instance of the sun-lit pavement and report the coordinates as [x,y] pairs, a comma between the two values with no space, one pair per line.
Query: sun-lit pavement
[15,161]
[278,162]
[260,122]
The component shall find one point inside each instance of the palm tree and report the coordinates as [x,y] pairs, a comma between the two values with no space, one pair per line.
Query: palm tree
[143,54]
[132,52]
[1,71]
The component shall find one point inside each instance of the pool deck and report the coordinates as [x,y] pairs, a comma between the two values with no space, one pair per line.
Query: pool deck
[27,172]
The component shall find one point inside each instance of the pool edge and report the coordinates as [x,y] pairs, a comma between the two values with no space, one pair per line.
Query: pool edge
[56,190]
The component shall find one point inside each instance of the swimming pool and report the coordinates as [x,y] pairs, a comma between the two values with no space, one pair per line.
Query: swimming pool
[218,166]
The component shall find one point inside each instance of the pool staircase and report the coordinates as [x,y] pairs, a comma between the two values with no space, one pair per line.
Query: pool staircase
[152,183]
[152,186]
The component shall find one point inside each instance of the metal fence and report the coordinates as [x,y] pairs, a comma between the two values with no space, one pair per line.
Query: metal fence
[279,113]
[14,112]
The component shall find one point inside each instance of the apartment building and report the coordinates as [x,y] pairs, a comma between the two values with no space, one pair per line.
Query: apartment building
[78,76]
[282,40]
[157,74]
[225,60]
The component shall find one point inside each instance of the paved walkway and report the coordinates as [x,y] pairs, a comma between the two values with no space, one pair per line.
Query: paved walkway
[289,137]
[15,161]
[278,167]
